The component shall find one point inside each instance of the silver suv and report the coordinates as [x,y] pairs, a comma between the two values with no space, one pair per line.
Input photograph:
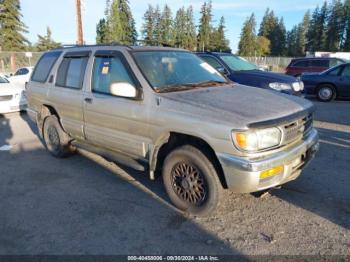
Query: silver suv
[166,111]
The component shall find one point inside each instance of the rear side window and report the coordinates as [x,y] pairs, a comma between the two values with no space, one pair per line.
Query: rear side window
[302,63]
[71,72]
[320,63]
[108,70]
[335,62]
[44,66]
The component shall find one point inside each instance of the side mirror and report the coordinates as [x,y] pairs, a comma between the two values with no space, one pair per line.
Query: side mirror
[222,70]
[123,89]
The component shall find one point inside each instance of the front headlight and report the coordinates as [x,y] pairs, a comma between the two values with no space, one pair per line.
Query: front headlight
[298,86]
[280,86]
[257,140]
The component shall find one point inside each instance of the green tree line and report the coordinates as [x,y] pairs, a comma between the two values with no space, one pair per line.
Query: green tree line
[161,27]
[327,28]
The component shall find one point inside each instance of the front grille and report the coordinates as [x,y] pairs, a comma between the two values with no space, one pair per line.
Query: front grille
[6,98]
[296,130]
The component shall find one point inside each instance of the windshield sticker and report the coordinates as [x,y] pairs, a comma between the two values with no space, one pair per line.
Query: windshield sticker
[105,70]
[207,67]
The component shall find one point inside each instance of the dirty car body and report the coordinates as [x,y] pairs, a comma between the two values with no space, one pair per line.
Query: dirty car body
[164,109]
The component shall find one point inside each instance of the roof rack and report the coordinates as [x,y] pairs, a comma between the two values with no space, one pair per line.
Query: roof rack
[66,46]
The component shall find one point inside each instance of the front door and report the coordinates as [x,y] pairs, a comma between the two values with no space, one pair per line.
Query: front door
[112,122]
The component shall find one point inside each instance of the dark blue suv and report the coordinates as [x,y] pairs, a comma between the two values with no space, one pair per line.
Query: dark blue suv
[243,72]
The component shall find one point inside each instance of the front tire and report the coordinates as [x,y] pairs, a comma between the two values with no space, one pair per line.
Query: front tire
[191,181]
[57,142]
[326,93]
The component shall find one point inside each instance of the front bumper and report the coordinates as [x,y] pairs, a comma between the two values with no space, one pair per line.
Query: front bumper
[243,176]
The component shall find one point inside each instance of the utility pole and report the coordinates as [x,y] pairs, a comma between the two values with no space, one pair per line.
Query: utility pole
[80,40]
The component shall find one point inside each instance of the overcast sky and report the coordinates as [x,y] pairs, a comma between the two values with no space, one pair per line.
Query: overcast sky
[59,15]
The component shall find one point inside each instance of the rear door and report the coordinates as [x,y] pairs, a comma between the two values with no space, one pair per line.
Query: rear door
[112,122]
[66,95]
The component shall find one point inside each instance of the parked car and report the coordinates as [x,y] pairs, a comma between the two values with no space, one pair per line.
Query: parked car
[311,65]
[166,111]
[12,97]
[330,84]
[243,72]
[22,76]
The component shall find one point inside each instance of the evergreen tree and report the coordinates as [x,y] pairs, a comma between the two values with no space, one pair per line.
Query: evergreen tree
[148,26]
[46,42]
[218,39]
[292,36]
[191,42]
[346,36]
[278,36]
[312,32]
[129,33]
[205,27]
[157,26]
[180,28]
[335,26]
[11,26]
[101,32]
[320,39]
[118,24]
[274,30]
[166,26]
[247,43]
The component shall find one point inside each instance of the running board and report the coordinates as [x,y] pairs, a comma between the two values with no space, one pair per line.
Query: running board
[114,156]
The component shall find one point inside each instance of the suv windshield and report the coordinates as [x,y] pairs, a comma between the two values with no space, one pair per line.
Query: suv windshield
[170,71]
[237,63]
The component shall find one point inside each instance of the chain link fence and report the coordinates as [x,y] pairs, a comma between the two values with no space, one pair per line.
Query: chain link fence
[11,61]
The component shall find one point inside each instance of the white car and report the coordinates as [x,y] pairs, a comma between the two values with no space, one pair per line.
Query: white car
[22,76]
[12,97]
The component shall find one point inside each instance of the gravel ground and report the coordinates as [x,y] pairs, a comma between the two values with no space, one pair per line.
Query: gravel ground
[86,205]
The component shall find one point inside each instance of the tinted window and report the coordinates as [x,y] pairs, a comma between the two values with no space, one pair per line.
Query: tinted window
[335,71]
[346,71]
[71,72]
[212,61]
[44,66]
[108,70]
[335,62]
[22,71]
[302,63]
[320,63]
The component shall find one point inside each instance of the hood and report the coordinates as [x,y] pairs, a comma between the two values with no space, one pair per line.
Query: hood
[9,89]
[241,106]
[269,77]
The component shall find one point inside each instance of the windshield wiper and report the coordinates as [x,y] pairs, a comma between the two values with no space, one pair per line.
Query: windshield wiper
[188,86]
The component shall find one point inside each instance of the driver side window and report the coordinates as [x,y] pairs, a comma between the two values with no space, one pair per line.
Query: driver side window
[212,61]
[108,70]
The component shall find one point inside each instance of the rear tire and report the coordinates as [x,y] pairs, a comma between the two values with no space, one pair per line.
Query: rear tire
[57,142]
[326,93]
[191,181]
